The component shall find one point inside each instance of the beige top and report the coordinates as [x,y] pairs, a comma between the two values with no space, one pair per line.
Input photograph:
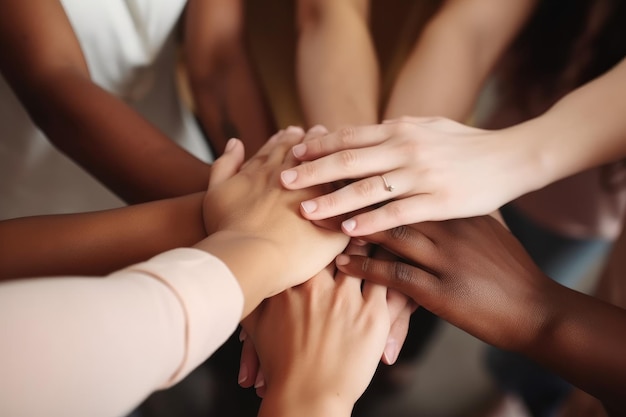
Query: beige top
[85,346]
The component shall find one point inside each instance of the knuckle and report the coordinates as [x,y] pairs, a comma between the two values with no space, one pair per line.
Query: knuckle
[400,233]
[364,188]
[327,203]
[348,159]
[403,273]
[346,136]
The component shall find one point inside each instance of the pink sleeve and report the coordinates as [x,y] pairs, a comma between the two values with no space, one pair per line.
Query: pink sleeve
[99,346]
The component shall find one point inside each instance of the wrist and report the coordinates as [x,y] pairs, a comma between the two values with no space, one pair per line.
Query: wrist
[532,161]
[289,402]
[252,261]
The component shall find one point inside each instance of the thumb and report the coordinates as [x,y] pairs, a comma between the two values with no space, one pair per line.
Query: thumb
[228,164]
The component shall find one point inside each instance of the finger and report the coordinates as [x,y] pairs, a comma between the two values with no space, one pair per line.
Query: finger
[346,138]
[397,334]
[315,132]
[412,281]
[411,243]
[344,164]
[374,292]
[280,153]
[259,384]
[352,282]
[248,364]
[357,195]
[228,164]
[414,209]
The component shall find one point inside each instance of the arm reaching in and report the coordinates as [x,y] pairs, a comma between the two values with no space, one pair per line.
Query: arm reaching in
[476,275]
[227,92]
[44,64]
[319,344]
[108,343]
[437,169]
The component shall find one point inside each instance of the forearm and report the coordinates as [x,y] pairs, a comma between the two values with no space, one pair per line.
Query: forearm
[227,92]
[584,341]
[337,71]
[98,243]
[109,139]
[110,342]
[585,129]
[230,103]
[453,56]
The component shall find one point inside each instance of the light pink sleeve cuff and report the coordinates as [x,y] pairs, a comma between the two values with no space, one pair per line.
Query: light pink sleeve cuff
[210,296]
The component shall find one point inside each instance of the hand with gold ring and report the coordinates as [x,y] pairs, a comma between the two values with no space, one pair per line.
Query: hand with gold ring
[409,171]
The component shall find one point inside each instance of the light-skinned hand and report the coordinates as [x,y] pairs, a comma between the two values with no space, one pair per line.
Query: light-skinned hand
[411,170]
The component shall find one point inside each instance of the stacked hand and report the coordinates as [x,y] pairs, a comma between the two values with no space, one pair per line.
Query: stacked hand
[423,169]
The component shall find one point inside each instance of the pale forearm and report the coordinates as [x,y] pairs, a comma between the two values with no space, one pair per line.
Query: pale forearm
[583,130]
[337,71]
[98,243]
[454,54]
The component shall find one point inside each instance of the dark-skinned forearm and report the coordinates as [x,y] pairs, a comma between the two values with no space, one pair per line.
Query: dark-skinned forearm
[584,341]
[110,140]
[100,242]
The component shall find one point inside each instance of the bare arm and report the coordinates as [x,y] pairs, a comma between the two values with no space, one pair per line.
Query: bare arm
[453,56]
[98,243]
[476,275]
[337,70]
[43,62]
[227,93]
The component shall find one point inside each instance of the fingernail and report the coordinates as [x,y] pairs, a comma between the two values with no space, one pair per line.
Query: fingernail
[298,150]
[391,351]
[242,335]
[349,225]
[342,259]
[260,381]
[359,242]
[230,145]
[288,176]
[318,129]
[309,206]
[243,374]
[295,129]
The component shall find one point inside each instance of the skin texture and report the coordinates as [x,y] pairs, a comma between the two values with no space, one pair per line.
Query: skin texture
[44,64]
[170,306]
[336,57]
[226,90]
[464,37]
[327,317]
[463,171]
[251,209]
[476,275]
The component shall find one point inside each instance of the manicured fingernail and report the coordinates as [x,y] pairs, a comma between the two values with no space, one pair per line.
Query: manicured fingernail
[295,129]
[230,145]
[260,381]
[288,176]
[342,259]
[243,374]
[349,225]
[298,150]
[358,242]
[309,206]
[391,351]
